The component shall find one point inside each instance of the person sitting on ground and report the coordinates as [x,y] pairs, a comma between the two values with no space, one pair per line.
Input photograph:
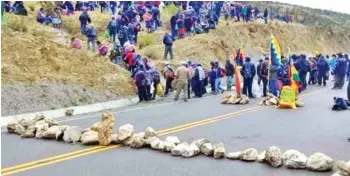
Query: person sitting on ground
[56,18]
[41,17]
[21,10]
[76,43]
[102,48]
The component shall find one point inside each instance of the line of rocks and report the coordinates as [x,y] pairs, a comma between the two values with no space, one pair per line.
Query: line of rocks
[101,133]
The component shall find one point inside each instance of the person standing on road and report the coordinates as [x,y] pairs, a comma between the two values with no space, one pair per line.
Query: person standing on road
[168,43]
[332,62]
[264,74]
[323,70]
[169,75]
[248,72]
[230,71]
[140,81]
[340,72]
[304,68]
[198,78]
[220,73]
[182,75]
[258,71]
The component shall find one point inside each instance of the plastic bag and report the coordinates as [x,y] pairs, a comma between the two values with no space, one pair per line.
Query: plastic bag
[159,90]
[106,34]
[287,98]
[256,89]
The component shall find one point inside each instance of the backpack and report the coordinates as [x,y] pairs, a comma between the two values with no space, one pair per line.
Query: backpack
[222,72]
[140,78]
[247,70]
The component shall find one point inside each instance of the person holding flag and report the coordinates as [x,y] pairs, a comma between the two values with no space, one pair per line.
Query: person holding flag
[274,64]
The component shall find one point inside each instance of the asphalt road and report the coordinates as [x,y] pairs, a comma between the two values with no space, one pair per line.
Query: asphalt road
[314,128]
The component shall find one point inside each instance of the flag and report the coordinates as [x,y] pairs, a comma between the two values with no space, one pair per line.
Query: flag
[275,52]
[237,81]
[294,77]
[316,53]
[239,56]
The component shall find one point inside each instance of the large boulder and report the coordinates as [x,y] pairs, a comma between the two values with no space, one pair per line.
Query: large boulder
[343,169]
[125,132]
[11,127]
[59,134]
[207,149]
[41,126]
[51,132]
[219,151]
[51,122]
[294,159]
[155,143]
[26,122]
[234,155]
[150,132]
[114,139]
[200,142]
[190,151]
[250,154]
[29,132]
[261,156]
[105,129]
[95,126]
[273,156]
[19,129]
[319,162]
[168,146]
[72,134]
[137,142]
[89,138]
[173,139]
[179,149]
[129,141]
[150,140]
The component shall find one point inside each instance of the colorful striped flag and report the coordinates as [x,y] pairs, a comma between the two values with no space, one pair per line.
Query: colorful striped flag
[237,81]
[239,57]
[294,77]
[275,51]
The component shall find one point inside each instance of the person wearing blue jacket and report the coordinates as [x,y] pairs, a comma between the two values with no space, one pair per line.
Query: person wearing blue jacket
[303,68]
[168,43]
[173,25]
[323,70]
[69,6]
[248,72]
[340,72]
[91,34]
[131,33]
[113,28]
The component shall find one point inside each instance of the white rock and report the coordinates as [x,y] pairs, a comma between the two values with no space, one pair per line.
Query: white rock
[29,133]
[294,159]
[51,132]
[115,139]
[155,143]
[95,126]
[319,162]
[150,140]
[72,134]
[125,132]
[179,149]
[137,142]
[89,138]
[51,122]
[59,134]
[219,151]
[173,139]
[273,156]
[41,125]
[168,146]
[11,127]
[250,154]
[26,123]
[261,156]
[150,132]
[343,169]
[207,149]
[234,155]
[39,117]
[190,151]
[19,129]
[200,142]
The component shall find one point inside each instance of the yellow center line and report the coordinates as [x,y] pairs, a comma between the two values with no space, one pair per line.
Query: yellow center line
[91,150]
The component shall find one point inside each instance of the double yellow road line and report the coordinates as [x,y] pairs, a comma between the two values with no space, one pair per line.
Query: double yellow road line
[91,150]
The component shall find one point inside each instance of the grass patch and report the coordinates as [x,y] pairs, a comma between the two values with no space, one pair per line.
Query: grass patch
[167,13]
[16,23]
[146,40]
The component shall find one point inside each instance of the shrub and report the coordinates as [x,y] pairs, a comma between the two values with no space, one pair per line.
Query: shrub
[146,40]
[31,7]
[168,12]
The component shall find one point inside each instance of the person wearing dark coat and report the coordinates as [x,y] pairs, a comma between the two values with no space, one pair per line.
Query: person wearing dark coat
[230,71]
[323,70]
[304,68]
[266,15]
[173,26]
[340,72]
[248,72]
[264,72]
[258,71]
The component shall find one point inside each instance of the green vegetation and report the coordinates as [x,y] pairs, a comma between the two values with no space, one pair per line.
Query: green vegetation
[146,40]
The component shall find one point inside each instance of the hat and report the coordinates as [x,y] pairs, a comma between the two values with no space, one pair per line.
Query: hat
[182,63]
[166,63]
